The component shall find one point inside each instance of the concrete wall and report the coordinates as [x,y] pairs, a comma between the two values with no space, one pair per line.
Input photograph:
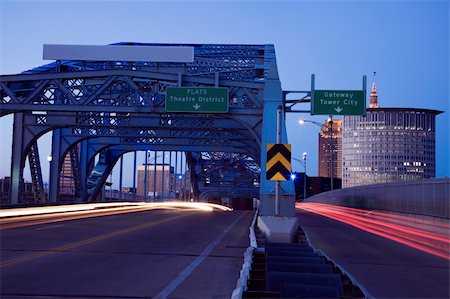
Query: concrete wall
[424,197]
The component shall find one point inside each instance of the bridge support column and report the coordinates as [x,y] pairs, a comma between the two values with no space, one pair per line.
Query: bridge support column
[83,168]
[282,228]
[54,166]
[16,158]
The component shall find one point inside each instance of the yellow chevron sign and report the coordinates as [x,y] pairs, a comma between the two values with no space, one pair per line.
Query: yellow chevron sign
[278,166]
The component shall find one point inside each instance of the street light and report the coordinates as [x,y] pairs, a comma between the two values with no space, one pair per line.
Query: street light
[303,163]
[303,121]
[49,159]
[330,129]
[304,177]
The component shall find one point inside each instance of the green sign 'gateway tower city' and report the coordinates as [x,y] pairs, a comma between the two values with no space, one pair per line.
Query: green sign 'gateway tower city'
[338,102]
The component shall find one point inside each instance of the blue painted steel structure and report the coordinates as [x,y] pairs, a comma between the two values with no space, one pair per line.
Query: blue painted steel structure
[105,109]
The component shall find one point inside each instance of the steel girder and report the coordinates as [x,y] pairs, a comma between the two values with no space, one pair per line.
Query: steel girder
[190,132]
[204,167]
[231,174]
[103,93]
[114,130]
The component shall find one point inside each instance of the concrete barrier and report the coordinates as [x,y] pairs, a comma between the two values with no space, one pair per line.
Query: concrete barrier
[429,197]
[241,284]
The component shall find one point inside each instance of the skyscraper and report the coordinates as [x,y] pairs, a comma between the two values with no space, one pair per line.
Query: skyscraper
[330,149]
[388,145]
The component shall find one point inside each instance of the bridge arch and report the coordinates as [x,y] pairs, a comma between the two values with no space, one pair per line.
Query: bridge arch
[115,96]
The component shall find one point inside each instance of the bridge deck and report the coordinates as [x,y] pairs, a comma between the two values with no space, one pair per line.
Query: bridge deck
[183,254]
[385,268]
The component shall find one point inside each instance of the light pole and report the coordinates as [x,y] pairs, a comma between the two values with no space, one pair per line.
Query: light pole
[303,163]
[304,177]
[49,159]
[330,130]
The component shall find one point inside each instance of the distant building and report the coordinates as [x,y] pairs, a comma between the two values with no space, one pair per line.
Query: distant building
[388,145]
[5,185]
[330,149]
[314,185]
[128,190]
[26,191]
[160,180]
[66,181]
[163,183]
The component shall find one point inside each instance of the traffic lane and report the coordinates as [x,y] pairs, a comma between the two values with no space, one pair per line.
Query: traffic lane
[69,267]
[108,268]
[222,266]
[87,274]
[187,236]
[23,241]
[32,220]
[385,268]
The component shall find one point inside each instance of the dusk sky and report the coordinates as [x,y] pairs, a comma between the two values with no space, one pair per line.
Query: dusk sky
[405,42]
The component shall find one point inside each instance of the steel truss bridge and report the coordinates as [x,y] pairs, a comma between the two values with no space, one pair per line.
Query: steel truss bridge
[97,111]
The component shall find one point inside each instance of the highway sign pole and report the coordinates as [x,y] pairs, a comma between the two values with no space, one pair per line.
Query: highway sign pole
[313,78]
[364,86]
[331,152]
[277,183]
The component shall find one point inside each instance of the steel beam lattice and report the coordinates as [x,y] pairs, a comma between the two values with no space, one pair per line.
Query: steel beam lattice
[122,103]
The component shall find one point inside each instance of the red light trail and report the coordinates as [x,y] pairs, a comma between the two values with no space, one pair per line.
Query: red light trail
[425,235]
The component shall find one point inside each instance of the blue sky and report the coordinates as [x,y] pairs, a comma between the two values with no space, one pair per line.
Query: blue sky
[405,42]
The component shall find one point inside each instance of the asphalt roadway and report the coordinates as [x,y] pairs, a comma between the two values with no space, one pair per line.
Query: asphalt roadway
[386,269]
[149,254]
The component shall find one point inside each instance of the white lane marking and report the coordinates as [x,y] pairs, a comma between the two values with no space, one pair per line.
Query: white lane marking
[195,263]
[48,227]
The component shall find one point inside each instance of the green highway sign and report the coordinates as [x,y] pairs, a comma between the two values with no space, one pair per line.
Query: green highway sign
[338,102]
[197,99]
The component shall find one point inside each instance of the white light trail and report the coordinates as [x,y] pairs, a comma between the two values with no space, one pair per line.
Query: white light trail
[116,205]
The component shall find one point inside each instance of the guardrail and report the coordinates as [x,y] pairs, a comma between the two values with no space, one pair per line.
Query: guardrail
[344,271]
[429,197]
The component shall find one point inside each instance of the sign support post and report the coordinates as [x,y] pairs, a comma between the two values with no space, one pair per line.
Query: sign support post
[277,182]
[365,85]
[331,152]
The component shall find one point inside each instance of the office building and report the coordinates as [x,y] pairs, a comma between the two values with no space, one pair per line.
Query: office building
[330,149]
[160,180]
[388,145]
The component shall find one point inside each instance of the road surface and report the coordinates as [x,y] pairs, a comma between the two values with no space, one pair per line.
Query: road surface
[155,253]
[386,269]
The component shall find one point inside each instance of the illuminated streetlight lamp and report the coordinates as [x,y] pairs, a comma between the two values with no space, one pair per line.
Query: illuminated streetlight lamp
[303,121]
